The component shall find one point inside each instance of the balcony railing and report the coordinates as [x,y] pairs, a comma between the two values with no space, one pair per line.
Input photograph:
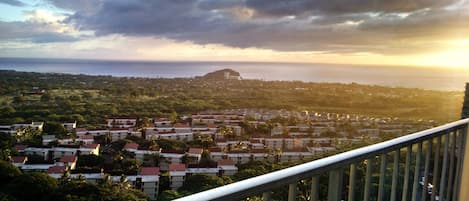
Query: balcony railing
[426,165]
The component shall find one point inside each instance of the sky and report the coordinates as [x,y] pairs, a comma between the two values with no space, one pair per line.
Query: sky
[426,33]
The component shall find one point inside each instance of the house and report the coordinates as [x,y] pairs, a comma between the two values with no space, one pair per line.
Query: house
[118,134]
[182,128]
[44,152]
[18,161]
[259,155]
[163,122]
[216,153]
[227,167]
[194,155]
[70,126]
[89,149]
[147,181]
[294,155]
[58,152]
[168,157]
[121,122]
[56,170]
[214,171]
[239,157]
[68,161]
[85,139]
[177,175]
[274,143]
[277,130]
[46,139]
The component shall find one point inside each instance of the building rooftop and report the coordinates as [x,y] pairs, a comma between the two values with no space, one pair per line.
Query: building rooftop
[149,171]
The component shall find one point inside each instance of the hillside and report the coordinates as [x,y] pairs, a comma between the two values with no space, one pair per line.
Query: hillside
[89,99]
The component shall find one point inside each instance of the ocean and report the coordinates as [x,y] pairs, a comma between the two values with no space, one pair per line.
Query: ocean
[410,77]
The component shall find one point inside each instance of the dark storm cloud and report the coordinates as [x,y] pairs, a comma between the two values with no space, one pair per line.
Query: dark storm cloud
[13,3]
[293,25]
[32,32]
[82,6]
[300,7]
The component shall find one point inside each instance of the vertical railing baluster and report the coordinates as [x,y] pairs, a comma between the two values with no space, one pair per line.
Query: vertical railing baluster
[351,185]
[367,193]
[395,175]
[451,167]
[428,154]
[335,185]
[382,175]
[292,192]
[418,159]
[405,189]
[462,156]
[315,188]
[444,169]
[436,169]
[266,196]
[458,166]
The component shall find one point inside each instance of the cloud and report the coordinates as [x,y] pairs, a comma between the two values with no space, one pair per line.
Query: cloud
[385,27]
[33,32]
[40,26]
[82,6]
[13,3]
[306,7]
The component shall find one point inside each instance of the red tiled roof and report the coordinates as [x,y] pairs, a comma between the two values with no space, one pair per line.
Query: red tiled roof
[161,119]
[149,171]
[19,159]
[177,167]
[91,146]
[168,151]
[80,129]
[221,140]
[214,149]
[258,151]
[181,125]
[86,137]
[56,169]
[131,146]
[195,150]
[225,162]
[20,147]
[68,159]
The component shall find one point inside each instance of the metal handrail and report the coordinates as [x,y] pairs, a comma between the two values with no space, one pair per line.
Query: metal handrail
[260,184]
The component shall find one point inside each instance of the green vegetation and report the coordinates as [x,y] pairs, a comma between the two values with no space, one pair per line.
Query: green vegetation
[19,186]
[90,99]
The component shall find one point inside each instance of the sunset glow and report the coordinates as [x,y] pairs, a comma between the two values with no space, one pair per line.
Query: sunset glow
[424,33]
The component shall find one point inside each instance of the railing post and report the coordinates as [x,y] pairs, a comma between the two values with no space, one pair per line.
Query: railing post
[464,183]
[335,185]
[352,178]
[382,177]
[266,196]
[368,178]
[405,189]
[292,192]
[418,159]
[315,188]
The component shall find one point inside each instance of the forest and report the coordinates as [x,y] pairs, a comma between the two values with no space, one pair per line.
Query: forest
[50,97]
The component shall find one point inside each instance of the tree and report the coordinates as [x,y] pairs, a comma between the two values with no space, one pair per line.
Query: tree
[201,182]
[18,99]
[46,97]
[7,172]
[168,195]
[39,186]
[6,142]
[55,128]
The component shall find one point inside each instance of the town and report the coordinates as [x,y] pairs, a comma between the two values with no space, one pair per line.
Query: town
[148,152]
